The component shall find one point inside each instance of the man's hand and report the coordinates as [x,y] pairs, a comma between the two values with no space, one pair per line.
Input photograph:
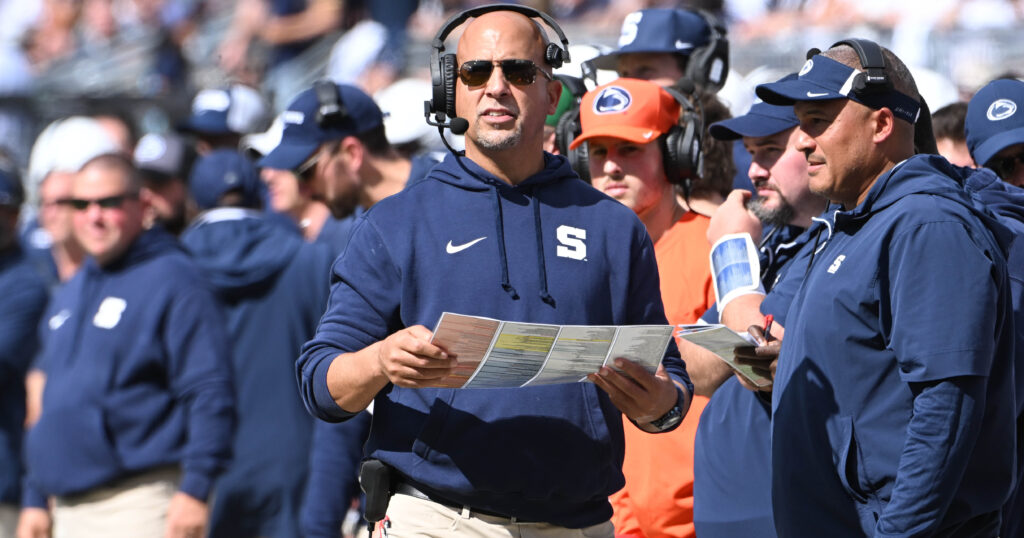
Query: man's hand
[644,398]
[732,217]
[33,523]
[408,359]
[763,358]
[186,517]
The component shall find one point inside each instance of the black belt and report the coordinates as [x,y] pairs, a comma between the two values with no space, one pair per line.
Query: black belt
[408,489]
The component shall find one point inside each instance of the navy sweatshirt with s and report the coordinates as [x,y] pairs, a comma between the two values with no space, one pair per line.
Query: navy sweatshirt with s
[138,375]
[549,250]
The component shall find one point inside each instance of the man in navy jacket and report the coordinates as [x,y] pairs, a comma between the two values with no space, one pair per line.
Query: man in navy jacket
[506,232]
[273,286]
[138,407]
[24,294]
[893,406]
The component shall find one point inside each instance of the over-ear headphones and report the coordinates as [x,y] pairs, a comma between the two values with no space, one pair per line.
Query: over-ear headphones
[444,67]
[682,146]
[568,126]
[873,78]
[330,109]
[708,66]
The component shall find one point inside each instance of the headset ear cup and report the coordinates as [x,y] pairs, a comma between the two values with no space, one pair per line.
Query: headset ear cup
[579,159]
[670,157]
[448,74]
[553,56]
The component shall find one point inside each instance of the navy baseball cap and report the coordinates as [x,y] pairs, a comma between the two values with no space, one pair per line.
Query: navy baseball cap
[303,134]
[12,193]
[221,171]
[675,31]
[238,109]
[823,78]
[761,120]
[995,120]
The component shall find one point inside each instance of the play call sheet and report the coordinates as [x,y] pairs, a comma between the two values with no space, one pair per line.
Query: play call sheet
[495,354]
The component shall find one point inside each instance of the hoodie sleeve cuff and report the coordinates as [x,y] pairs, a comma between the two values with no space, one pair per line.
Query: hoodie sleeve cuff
[324,401]
[197,485]
[33,498]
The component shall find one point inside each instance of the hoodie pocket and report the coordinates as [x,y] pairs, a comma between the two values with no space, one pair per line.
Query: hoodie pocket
[849,463]
[69,450]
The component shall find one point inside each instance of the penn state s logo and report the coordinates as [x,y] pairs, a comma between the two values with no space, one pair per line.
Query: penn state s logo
[571,242]
[109,313]
[1001,109]
[808,65]
[611,100]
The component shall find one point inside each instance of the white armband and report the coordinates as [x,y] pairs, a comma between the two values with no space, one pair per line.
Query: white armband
[735,268]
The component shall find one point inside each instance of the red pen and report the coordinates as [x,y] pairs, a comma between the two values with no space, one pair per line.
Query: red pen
[768,320]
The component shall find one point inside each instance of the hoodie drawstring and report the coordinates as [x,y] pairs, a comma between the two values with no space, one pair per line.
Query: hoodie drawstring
[500,228]
[544,295]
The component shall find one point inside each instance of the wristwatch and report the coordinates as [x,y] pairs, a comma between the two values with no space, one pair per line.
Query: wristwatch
[672,417]
[669,420]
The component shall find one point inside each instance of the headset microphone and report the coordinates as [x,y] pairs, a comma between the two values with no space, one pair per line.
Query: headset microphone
[456,124]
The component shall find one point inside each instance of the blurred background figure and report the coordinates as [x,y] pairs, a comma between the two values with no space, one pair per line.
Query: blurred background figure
[221,116]
[948,125]
[164,160]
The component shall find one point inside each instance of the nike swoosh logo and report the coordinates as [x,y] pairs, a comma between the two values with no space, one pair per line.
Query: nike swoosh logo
[648,134]
[814,94]
[452,249]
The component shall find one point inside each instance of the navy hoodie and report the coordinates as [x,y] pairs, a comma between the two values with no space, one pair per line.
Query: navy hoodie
[273,286]
[24,295]
[1007,202]
[909,292]
[549,250]
[138,375]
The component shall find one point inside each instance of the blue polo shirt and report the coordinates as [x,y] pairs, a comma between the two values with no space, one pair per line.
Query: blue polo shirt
[893,408]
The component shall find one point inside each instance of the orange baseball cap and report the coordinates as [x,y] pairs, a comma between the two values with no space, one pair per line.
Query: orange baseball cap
[628,109]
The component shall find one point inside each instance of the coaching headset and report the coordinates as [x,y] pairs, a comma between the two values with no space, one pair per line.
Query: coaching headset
[708,66]
[681,147]
[874,80]
[444,68]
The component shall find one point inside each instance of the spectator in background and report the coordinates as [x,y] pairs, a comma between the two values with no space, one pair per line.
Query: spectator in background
[995,129]
[24,295]
[221,116]
[164,161]
[274,288]
[948,126]
[137,419]
[60,150]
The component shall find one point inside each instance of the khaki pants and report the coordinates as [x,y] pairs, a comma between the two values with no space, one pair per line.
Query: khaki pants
[8,520]
[413,517]
[132,508]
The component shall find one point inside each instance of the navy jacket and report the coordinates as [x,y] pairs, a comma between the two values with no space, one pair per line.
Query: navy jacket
[1007,202]
[138,375]
[549,250]
[273,286]
[893,409]
[24,294]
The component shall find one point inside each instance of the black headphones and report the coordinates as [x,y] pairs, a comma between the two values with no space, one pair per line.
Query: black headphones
[444,67]
[330,109]
[708,66]
[682,146]
[873,78]
[568,126]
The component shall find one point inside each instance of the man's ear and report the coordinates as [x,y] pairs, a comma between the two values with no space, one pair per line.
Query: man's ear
[884,124]
[353,153]
[554,93]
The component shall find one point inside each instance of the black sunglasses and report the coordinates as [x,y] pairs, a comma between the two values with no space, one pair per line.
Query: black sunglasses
[109,202]
[518,72]
[1004,166]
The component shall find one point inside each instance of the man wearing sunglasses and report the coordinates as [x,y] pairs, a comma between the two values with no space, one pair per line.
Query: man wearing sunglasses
[995,129]
[506,232]
[137,417]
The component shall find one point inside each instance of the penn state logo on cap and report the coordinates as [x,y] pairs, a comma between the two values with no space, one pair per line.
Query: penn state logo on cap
[808,65]
[612,100]
[1001,109]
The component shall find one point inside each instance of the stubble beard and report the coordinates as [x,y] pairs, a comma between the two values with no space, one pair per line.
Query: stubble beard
[499,140]
[779,216]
